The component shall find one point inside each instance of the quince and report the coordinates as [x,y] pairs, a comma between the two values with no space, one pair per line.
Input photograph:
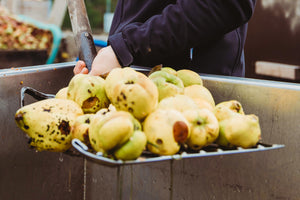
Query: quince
[167,84]
[165,130]
[48,123]
[131,91]
[88,91]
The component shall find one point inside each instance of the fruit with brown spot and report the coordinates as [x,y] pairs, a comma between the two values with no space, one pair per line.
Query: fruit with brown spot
[165,130]
[88,91]
[80,128]
[226,109]
[131,91]
[48,123]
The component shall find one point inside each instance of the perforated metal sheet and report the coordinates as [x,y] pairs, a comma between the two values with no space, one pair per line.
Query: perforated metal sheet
[147,157]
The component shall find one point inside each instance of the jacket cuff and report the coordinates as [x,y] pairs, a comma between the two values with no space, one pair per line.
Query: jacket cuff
[121,50]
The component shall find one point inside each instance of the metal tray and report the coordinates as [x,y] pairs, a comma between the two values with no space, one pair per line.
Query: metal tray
[80,149]
[147,157]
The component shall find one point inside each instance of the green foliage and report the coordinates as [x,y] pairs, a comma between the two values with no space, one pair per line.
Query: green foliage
[95,10]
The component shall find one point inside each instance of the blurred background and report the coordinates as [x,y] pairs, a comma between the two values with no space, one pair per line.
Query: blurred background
[274,37]
[271,51]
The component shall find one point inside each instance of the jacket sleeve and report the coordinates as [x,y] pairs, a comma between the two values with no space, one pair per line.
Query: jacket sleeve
[180,26]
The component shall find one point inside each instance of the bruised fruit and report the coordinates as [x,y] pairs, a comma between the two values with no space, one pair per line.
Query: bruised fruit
[240,130]
[80,128]
[110,130]
[233,105]
[189,77]
[204,128]
[165,130]
[226,109]
[131,91]
[48,123]
[89,92]
[133,148]
[167,84]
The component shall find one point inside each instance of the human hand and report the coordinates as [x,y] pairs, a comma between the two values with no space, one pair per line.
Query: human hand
[103,63]
[80,68]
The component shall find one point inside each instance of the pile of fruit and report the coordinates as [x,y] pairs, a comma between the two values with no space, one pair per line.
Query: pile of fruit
[129,112]
[18,35]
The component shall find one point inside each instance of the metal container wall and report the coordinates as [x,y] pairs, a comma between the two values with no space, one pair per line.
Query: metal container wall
[266,175]
[25,174]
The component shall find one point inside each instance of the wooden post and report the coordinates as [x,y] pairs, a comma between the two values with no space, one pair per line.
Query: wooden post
[58,12]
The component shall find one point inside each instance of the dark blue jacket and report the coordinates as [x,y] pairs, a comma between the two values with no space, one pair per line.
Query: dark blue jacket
[152,32]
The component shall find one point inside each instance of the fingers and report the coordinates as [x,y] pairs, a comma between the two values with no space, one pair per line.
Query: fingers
[101,70]
[80,68]
[104,62]
[84,71]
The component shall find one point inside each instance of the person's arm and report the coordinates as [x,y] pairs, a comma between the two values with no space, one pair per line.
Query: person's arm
[180,26]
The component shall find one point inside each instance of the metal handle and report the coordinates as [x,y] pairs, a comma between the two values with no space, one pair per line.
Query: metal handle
[87,49]
[33,93]
[82,31]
